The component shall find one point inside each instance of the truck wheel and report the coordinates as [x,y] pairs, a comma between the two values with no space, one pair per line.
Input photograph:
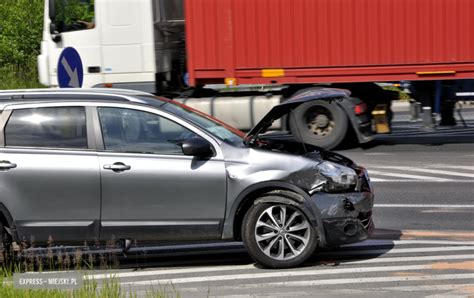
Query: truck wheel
[319,123]
[278,235]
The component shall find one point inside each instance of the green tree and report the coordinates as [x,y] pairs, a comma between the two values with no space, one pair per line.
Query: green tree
[21,23]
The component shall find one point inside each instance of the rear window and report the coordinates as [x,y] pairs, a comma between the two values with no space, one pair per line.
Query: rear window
[61,127]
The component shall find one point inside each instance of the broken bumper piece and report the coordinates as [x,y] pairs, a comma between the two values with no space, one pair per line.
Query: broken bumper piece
[346,218]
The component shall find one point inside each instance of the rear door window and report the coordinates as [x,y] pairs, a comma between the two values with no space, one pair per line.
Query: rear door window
[55,127]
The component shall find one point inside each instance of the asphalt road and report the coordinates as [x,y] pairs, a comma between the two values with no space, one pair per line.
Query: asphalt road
[422,180]
[423,244]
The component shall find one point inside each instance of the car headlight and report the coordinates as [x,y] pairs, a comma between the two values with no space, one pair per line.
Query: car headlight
[338,177]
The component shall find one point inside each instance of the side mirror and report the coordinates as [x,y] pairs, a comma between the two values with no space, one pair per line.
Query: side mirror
[197,147]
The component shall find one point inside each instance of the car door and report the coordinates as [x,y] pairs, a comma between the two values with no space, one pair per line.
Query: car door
[49,175]
[150,190]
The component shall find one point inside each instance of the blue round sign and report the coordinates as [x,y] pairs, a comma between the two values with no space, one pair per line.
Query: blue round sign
[70,71]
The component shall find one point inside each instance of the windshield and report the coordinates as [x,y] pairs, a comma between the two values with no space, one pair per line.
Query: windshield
[217,128]
[72,15]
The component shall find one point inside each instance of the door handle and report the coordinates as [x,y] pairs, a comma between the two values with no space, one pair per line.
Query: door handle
[6,165]
[117,167]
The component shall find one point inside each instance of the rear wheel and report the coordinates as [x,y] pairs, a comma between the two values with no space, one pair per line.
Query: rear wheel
[7,245]
[278,235]
[319,123]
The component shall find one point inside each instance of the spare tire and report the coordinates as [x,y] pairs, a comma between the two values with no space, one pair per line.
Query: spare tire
[319,123]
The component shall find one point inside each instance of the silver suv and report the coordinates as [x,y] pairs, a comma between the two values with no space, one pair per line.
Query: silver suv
[88,165]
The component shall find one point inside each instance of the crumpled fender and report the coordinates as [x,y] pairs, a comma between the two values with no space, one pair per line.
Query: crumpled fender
[283,192]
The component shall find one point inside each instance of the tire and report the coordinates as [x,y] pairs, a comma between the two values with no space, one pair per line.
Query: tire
[319,123]
[265,247]
[6,251]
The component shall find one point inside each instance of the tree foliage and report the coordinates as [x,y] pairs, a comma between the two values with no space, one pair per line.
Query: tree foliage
[21,23]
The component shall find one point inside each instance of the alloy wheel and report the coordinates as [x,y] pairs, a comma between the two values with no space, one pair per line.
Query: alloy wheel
[282,232]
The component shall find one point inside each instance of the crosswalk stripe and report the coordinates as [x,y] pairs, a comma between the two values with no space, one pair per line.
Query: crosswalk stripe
[458,288]
[379,242]
[368,243]
[453,206]
[413,259]
[410,176]
[396,251]
[282,274]
[469,168]
[445,287]
[417,134]
[374,179]
[167,271]
[432,288]
[251,266]
[425,170]
[361,280]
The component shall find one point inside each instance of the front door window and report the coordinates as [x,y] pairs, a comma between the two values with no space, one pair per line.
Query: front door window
[133,131]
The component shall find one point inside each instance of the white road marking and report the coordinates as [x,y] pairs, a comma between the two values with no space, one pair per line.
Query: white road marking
[411,259]
[378,242]
[372,179]
[409,176]
[469,168]
[457,288]
[251,266]
[361,280]
[396,251]
[428,288]
[459,206]
[425,170]
[168,271]
[281,274]
[367,243]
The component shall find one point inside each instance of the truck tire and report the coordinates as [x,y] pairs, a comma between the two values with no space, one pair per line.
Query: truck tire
[319,123]
[277,241]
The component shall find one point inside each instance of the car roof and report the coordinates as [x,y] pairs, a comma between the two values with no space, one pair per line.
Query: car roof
[72,90]
[8,97]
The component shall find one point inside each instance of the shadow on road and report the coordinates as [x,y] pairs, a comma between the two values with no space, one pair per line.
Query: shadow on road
[190,255]
[379,244]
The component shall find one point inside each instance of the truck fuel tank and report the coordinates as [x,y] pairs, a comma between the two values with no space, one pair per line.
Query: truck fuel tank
[241,112]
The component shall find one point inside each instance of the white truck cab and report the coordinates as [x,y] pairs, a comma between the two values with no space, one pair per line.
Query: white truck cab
[115,45]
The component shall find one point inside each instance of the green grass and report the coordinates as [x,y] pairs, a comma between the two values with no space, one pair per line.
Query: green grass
[14,77]
[106,288]
[110,288]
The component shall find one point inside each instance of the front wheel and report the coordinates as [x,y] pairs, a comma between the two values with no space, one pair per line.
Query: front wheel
[278,235]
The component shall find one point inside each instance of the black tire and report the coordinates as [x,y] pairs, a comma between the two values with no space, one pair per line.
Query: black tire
[255,249]
[327,132]
[6,250]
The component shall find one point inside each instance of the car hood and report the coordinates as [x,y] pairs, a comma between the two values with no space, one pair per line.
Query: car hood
[286,107]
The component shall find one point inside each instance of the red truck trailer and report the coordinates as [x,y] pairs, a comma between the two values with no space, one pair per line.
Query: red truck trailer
[328,41]
[182,48]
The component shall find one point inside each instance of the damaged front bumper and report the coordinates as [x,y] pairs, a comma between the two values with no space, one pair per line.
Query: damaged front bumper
[345,217]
